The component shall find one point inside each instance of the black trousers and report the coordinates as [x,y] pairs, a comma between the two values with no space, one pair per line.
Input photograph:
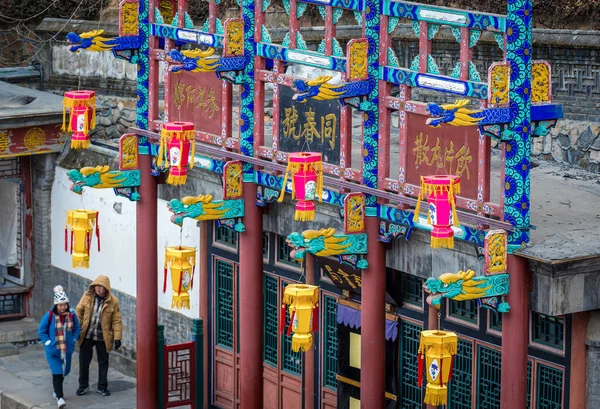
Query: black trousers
[86,352]
[57,382]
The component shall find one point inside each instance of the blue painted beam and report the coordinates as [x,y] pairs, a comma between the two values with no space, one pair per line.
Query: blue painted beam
[356,5]
[403,76]
[278,52]
[544,112]
[444,15]
[187,35]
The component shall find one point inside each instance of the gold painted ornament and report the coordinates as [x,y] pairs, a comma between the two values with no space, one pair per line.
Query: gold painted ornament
[182,262]
[436,350]
[303,302]
[81,223]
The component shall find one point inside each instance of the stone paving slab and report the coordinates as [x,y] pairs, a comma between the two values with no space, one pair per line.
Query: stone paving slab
[27,384]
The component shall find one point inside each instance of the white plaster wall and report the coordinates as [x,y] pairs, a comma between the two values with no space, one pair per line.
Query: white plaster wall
[91,64]
[169,234]
[117,258]
[95,64]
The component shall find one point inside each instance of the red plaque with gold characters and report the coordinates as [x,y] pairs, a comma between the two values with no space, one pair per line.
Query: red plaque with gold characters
[196,97]
[446,150]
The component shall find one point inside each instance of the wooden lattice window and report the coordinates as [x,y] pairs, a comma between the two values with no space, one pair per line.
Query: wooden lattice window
[283,252]
[410,394]
[412,289]
[225,236]
[224,303]
[547,330]
[271,320]
[330,341]
[463,310]
[461,387]
[549,387]
[488,377]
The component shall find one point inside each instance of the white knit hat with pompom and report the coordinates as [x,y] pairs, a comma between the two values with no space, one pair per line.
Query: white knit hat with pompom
[60,296]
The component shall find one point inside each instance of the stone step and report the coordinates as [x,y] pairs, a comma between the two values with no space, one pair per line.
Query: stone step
[21,331]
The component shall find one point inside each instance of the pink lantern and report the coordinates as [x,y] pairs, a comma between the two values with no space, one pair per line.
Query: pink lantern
[441,213]
[82,117]
[307,182]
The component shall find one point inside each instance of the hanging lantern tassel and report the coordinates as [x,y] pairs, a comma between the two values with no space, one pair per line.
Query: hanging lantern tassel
[82,224]
[282,319]
[176,141]
[182,261]
[82,117]
[438,347]
[306,169]
[66,238]
[302,300]
[441,194]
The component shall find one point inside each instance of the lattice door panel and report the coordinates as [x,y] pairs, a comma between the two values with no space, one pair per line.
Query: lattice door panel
[180,375]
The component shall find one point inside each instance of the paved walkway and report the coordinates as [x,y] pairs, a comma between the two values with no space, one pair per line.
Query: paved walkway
[26,383]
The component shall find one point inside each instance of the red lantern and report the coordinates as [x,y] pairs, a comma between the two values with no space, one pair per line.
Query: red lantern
[177,138]
[82,117]
[307,183]
[441,213]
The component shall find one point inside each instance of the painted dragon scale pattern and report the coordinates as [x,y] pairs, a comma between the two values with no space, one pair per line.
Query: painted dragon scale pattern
[325,242]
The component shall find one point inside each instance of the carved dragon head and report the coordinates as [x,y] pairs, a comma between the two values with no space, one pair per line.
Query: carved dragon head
[302,90]
[452,114]
[297,242]
[87,176]
[91,41]
[195,60]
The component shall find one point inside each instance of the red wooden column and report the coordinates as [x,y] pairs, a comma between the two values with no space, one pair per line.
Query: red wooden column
[515,336]
[309,356]
[203,271]
[251,304]
[146,312]
[578,381]
[372,348]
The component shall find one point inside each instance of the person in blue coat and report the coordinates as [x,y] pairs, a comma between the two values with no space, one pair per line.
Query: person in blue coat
[59,331]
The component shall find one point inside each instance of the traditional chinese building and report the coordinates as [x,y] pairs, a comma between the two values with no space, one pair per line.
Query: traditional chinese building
[508,273]
[30,123]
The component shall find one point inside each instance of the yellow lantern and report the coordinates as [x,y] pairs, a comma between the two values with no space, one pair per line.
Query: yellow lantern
[437,350]
[303,301]
[82,223]
[182,261]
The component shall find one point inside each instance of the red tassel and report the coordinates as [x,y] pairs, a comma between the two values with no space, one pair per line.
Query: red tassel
[98,231]
[192,282]
[71,241]
[451,368]
[282,319]
[165,281]
[420,370]
[66,239]
[289,331]
[315,318]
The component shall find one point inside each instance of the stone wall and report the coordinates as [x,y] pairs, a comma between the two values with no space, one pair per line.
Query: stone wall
[42,172]
[576,143]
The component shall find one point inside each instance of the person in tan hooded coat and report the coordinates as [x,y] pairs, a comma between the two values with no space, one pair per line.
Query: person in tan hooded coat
[99,313]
